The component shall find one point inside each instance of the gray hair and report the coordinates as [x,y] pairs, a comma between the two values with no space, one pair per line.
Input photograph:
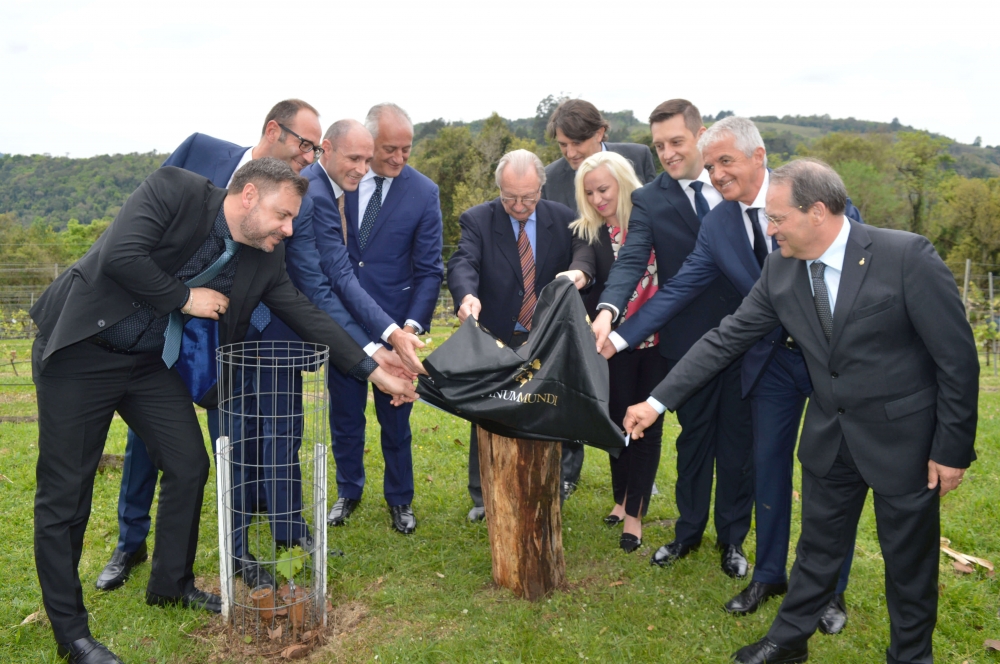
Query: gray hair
[339,129]
[742,129]
[812,181]
[267,174]
[375,114]
[521,161]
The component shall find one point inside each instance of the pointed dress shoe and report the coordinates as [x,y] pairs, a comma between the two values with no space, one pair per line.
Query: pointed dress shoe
[477,513]
[669,553]
[87,651]
[403,518]
[753,596]
[629,542]
[116,572]
[196,599]
[766,651]
[341,511]
[734,562]
[253,573]
[835,616]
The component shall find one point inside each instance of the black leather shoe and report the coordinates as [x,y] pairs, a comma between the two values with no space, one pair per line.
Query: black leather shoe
[118,569]
[612,520]
[753,596]
[734,562]
[253,574]
[629,542]
[668,553]
[766,651]
[477,514]
[567,490]
[196,599]
[87,651]
[403,519]
[341,511]
[835,616]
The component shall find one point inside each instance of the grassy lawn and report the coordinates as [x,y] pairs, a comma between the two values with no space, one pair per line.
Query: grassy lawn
[429,597]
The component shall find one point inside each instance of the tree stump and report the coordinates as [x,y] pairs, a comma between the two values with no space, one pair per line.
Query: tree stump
[521,495]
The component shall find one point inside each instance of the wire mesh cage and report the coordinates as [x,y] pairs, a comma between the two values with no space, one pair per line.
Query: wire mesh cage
[271,475]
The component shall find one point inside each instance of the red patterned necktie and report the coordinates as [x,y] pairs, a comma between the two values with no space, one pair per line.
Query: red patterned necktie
[528,274]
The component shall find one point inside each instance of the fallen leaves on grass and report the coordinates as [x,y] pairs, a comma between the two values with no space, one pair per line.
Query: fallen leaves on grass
[458,442]
[297,651]
[34,617]
[274,633]
[616,583]
[440,575]
[964,562]
[992,645]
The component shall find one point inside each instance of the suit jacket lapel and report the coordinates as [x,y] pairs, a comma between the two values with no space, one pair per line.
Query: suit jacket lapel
[741,243]
[851,277]
[679,200]
[504,232]
[803,293]
[397,191]
[543,242]
[245,271]
[351,209]
[226,167]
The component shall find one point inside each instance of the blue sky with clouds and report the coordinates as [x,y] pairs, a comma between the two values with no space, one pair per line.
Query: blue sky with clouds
[107,76]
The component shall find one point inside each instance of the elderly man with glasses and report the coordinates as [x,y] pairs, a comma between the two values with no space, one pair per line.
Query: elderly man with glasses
[511,247]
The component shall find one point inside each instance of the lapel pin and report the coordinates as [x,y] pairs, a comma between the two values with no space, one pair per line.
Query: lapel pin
[861,262]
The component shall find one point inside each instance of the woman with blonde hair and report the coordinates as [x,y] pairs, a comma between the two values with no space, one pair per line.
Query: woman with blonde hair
[604,185]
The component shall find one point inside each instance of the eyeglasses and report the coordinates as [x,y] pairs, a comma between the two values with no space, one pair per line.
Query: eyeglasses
[526,201]
[305,145]
[777,221]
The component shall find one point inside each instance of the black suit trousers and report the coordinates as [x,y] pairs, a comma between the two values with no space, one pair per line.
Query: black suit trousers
[716,440]
[79,390]
[908,531]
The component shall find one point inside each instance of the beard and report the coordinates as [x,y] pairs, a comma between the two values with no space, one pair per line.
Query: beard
[254,234]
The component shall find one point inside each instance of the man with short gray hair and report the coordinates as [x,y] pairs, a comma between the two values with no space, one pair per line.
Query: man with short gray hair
[511,247]
[877,318]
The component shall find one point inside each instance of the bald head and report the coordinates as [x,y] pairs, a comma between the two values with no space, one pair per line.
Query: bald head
[349,149]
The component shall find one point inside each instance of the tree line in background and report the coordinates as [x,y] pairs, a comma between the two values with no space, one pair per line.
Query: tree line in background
[53,208]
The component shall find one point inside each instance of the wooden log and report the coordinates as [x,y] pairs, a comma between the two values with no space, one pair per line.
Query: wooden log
[521,495]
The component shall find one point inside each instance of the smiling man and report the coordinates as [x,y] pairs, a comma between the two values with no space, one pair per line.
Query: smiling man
[109,336]
[877,318]
[716,435]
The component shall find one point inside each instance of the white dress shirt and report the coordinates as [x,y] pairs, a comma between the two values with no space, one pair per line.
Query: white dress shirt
[713,197]
[833,258]
[247,157]
[758,203]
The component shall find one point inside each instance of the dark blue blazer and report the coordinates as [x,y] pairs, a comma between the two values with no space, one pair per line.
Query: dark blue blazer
[216,160]
[663,218]
[723,249]
[401,266]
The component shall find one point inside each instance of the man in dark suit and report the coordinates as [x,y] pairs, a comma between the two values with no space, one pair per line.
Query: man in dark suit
[290,133]
[894,405]
[716,426]
[109,336]
[732,242]
[394,228]
[512,247]
[579,129]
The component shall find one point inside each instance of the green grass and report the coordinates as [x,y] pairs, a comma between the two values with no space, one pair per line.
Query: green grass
[392,605]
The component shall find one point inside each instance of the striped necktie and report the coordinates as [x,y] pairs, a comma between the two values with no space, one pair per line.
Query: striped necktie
[528,277]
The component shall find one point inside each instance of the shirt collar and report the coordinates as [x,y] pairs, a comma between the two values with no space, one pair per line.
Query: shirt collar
[604,147]
[337,191]
[761,198]
[530,219]
[370,175]
[703,177]
[833,257]
[246,158]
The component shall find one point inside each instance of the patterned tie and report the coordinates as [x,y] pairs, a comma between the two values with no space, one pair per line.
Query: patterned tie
[175,326]
[821,297]
[261,317]
[371,213]
[343,217]
[528,274]
[759,243]
[700,202]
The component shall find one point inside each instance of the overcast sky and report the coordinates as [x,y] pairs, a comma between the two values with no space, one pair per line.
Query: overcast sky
[108,76]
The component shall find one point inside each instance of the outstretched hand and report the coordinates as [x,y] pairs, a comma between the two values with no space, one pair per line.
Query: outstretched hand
[602,328]
[471,306]
[406,344]
[638,418]
[400,389]
[578,277]
[392,364]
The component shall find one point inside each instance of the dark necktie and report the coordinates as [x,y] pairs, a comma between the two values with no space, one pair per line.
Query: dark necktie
[175,326]
[821,296]
[700,202]
[759,242]
[261,317]
[371,213]
[528,276]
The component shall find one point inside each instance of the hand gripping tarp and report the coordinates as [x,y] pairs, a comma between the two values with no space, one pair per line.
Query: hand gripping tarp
[554,387]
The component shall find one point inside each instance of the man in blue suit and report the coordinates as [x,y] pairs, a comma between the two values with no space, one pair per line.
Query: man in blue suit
[291,133]
[393,224]
[733,243]
[716,439]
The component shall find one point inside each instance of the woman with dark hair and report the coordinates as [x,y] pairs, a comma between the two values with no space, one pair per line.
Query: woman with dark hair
[604,185]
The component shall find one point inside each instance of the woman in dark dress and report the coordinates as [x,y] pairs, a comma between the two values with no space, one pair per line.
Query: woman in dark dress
[604,185]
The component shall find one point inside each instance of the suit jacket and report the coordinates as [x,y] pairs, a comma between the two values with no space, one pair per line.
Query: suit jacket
[207,156]
[487,264]
[560,179]
[401,267]
[723,248]
[663,218]
[160,226]
[899,380]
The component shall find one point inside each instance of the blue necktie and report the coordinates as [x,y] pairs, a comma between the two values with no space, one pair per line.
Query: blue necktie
[261,317]
[371,213]
[759,243]
[175,327]
[700,202]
